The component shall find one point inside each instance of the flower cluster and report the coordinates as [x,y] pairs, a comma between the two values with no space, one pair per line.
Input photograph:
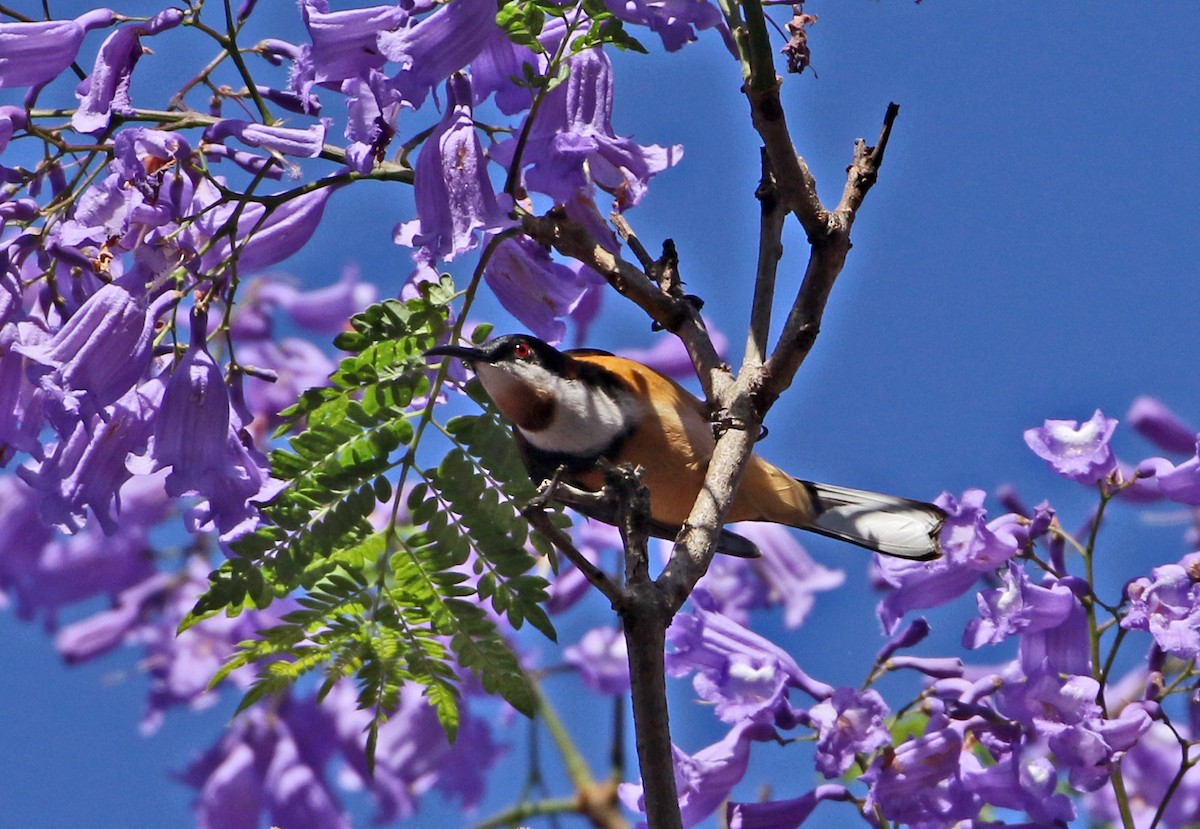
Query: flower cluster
[144,365]
[1043,735]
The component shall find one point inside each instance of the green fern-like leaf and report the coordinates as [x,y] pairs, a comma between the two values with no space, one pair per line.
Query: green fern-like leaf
[405,602]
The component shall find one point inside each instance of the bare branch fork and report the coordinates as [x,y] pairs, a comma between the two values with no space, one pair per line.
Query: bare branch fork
[787,186]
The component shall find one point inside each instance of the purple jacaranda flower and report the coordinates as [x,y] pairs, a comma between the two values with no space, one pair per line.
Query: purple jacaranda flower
[372,107]
[264,238]
[412,755]
[88,468]
[1077,451]
[669,356]
[260,166]
[1161,426]
[972,545]
[705,778]
[324,310]
[181,665]
[1148,770]
[431,49]
[139,153]
[21,409]
[1181,483]
[196,436]
[601,659]
[534,288]
[1017,606]
[572,144]
[1064,647]
[32,54]
[193,425]
[920,783]
[455,199]
[912,633]
[96,357]
[23,535]
[671,20]
[938,667]
[782,814]
[745,676]
[792,577]
[344,42]
[301,143]
[291,101]
[1022,781]
[734,588]
[297,366]
[106,89]
[45,578]
[498,62]
[1168,606]
[1090,750]
[104,631]
[258,768]
[847,723]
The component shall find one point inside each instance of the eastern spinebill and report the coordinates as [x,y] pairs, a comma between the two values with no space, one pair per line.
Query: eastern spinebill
[571,410]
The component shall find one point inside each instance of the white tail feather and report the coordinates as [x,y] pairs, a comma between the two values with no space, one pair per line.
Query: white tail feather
[883,523]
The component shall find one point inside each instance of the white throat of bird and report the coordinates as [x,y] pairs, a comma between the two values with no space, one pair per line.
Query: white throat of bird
[558,414]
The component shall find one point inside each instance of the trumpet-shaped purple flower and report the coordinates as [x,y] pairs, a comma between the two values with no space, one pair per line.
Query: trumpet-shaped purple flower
[602,660]
[705,778]
[296,364]
[1021,781]
[1077,451]
[196,436]
[1168,606]
[412,755]
[973,546]
[1149,769]
[792,577]
[782,814]
[88,469]
[671,20]
[259,767]
[372,108]
[1161,426]
[743,675]
[301,143]
[1017,606]
[45,575]
[95,358]
[20,399]
[847,723]
[920,784]
[572,144]
[264,239]
[1181,483]
[533,287]
[593,540]
[455,199]
[344,42]
[324,310]
[32,54]
[106,89]
[192,429]
[433,48]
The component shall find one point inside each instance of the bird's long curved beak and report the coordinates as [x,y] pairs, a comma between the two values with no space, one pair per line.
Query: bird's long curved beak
[466,354]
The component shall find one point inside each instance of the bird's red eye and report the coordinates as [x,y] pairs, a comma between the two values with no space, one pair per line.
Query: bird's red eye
[521,351]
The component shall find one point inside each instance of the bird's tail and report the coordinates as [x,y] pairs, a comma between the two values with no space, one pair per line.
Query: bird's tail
[883,523]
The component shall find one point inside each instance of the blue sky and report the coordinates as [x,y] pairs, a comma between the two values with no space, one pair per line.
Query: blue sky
[1029,252]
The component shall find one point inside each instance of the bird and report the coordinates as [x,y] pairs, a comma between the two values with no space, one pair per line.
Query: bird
[572,411]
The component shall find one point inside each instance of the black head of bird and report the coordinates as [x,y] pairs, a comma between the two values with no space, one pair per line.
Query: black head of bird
[571,410]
